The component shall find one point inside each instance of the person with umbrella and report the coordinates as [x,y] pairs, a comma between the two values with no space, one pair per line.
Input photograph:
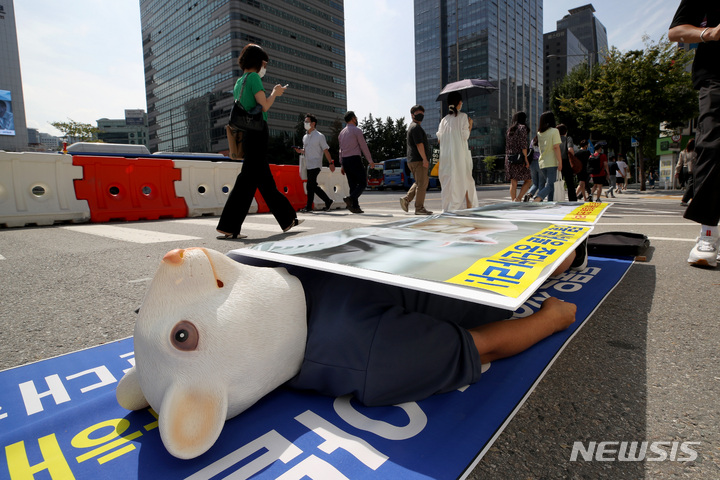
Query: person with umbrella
[455,167]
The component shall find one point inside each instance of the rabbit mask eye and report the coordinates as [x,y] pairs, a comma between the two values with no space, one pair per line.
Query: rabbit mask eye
[185,336]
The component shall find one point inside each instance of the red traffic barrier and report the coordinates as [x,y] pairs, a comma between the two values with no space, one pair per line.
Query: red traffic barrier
[118,188]
[288,181]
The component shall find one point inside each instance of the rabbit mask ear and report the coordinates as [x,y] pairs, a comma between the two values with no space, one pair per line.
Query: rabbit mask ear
[128,392]
[191,420]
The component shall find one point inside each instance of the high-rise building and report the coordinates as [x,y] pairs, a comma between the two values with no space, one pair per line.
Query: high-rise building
[563,52]
[191,51]
[499,41]
[13,128]
[131,130]
[582,22]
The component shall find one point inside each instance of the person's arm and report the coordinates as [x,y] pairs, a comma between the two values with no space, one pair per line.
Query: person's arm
[558,156]
[267,102]
[421,151]
[364,148]
[329,159]
[692,34]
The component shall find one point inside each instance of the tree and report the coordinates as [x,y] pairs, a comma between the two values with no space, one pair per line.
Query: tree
[76,131]
[385,139]
[632,93]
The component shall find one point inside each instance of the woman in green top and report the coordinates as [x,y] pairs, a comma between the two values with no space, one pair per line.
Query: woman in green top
[255,173]
[550,160]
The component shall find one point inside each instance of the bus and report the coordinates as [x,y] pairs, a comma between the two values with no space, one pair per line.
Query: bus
[398,175]
[376,177]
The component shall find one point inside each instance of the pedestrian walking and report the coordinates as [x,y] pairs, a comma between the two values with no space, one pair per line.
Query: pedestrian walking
[517,163]
[352,145]
[698,22]
[314,147]
[686,162]
[255,174]
[550,160]
[418,154]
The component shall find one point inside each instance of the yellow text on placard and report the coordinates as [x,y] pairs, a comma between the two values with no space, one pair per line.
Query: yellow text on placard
[512,270]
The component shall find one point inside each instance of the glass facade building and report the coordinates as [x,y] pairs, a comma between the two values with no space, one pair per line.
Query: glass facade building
[191,51]
[563,52]
[496,40]
[589,31]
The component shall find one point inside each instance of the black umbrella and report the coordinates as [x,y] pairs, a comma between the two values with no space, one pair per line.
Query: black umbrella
[469,87]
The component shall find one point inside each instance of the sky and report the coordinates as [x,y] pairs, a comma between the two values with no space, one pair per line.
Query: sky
[82,59]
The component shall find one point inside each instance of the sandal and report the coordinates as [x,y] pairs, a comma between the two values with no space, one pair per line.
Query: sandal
[294,223]
[230,236]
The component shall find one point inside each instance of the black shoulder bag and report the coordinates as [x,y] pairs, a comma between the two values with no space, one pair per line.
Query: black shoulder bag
[241,119]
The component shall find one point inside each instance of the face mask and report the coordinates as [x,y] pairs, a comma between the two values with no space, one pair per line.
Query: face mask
[308,125]
[262,72]
[419,117]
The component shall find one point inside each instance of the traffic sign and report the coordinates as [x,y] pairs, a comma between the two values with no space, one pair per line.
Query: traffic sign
[634,142]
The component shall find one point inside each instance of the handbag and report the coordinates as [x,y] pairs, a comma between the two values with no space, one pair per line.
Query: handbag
[559,191]
[575,164]
[241,119]
[516,159]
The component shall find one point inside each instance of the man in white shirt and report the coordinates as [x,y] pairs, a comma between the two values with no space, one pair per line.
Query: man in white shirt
[622,174]
[314,147]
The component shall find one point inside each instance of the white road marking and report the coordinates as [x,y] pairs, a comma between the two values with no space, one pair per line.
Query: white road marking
[128,234]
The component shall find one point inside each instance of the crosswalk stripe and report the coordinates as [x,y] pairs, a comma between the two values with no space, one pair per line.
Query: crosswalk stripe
[127,234]
[247,225]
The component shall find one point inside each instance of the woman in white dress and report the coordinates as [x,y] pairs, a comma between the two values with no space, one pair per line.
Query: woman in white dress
[455,168]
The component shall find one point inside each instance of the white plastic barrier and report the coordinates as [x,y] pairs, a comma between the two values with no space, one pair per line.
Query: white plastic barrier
[206,186]
[335,185]
[37,188]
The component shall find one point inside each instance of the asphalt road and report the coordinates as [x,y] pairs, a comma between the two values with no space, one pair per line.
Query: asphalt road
[644,368]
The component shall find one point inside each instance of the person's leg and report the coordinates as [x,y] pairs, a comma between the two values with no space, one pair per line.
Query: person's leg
[611,189]
[705,205]
[513,189]
[524,189]
[547,180]
[279,205]
[312,174]
[535,178]
[569,177]
[354,169]
[318,190]
[420,174]
[690,190]
[509,337]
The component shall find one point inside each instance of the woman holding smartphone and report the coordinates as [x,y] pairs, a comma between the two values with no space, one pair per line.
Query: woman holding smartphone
[255,174]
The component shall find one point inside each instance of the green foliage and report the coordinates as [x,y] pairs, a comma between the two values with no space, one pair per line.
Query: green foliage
[81,132]
[386,139]
[631,94]
[490,163]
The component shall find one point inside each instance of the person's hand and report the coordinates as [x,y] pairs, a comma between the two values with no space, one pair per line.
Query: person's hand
[372,164]
[470,121]
[332,168]
[560,314]
[342,170]
[298,150]
[278,90]
[426,164]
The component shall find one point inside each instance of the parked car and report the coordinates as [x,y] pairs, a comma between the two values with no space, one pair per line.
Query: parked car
[397,175]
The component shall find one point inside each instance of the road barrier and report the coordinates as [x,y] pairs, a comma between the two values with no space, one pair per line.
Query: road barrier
[37,188]
[118,188]
[47,188]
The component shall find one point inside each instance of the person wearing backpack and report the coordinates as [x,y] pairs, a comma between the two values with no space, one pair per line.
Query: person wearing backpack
[612,178]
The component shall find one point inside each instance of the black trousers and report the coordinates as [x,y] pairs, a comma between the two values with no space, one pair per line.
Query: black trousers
[356,177]
[705,207]
[313,188]
[569,176]
[255,175]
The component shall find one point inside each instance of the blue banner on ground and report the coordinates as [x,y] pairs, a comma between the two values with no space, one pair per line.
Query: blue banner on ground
[59,418]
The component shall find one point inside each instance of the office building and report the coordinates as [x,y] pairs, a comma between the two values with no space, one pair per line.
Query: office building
[13,127]
[131,130]
[499,41]
[191,51]
[582,22]
[563,52]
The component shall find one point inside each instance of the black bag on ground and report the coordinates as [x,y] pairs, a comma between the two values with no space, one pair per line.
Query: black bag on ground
[617,244]
[241,119]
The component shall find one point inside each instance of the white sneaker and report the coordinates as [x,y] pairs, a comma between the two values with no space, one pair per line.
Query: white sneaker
[705,252]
